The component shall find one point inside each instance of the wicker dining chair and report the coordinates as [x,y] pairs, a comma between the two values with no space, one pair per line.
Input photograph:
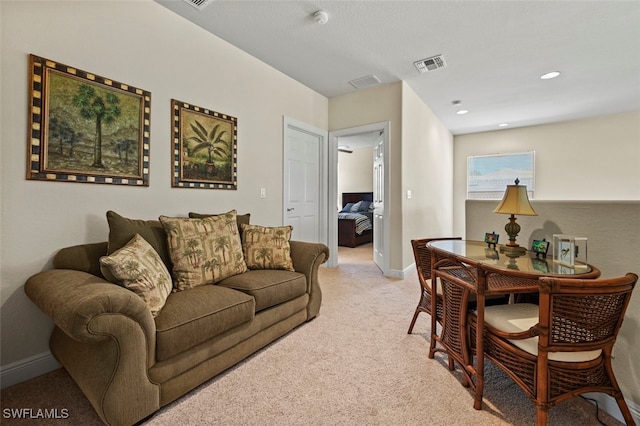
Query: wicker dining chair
[561,348]
[422,256]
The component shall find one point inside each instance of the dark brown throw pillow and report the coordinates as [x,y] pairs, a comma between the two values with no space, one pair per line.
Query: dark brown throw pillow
[122,230]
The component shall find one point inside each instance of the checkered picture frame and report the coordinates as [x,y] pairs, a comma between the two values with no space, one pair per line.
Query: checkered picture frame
[38,167]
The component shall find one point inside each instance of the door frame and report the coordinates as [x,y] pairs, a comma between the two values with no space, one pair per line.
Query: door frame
[332,212]
[289,124]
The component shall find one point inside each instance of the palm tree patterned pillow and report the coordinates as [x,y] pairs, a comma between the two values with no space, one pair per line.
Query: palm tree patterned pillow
[138,267]
[203,251]
[267,248]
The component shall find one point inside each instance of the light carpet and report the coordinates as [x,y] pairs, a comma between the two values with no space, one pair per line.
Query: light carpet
[354,364]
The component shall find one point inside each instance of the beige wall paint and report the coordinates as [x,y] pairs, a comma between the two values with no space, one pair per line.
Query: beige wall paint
[427,171]
[421,158]
[355,171]
[593,159]
[145,45]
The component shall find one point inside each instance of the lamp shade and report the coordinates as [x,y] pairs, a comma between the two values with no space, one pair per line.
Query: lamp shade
[515,201]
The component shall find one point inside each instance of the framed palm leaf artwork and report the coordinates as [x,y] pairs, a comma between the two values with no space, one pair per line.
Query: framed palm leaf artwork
[86,128]
[205,148]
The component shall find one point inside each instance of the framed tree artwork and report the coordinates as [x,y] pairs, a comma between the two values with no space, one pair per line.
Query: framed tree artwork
[86,128]
[205,148]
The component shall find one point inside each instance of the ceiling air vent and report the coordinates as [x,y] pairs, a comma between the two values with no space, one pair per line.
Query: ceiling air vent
[364,82]
[199,4]
[430,64]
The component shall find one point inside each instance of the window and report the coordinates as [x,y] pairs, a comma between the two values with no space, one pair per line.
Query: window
[489,175]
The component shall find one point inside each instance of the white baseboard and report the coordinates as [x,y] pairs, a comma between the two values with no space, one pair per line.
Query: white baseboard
[400,273]
[395,273]
[608,403]
[28,368]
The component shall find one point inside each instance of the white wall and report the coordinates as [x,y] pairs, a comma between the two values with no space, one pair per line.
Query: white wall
[145,45]
[355,171]
[592,159]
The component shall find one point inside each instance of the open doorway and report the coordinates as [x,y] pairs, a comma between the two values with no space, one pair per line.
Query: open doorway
[356,168]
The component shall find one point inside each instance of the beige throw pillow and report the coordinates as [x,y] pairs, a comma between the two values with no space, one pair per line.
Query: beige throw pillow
[203,251]
[267,248]
[138,267]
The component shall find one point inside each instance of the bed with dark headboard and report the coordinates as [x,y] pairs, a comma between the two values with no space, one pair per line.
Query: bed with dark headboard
[351,222]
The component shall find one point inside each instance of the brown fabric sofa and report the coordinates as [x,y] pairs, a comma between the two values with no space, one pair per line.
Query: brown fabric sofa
[129,364]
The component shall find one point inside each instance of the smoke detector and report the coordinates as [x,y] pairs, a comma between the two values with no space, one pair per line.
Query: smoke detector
[430,64]
[199,4]
[321,17]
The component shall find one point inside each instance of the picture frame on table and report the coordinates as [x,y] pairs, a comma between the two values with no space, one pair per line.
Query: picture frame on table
[491,238]
[205,148]
[540,248]
[86,128]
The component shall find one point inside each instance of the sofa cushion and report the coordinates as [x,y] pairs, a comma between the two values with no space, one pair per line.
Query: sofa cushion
[267,248]
[122,230]
[203,251]
[138,267]
[269,287]
[197,315]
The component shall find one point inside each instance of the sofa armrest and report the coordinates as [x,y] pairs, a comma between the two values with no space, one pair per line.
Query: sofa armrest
[307,258]
[105,337]
[83,306]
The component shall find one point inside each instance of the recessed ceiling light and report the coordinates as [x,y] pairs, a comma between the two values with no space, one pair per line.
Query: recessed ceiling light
[462,112]
[550,75]
[503,125]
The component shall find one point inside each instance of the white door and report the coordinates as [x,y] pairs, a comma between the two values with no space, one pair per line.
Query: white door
[378,203]
[304,191]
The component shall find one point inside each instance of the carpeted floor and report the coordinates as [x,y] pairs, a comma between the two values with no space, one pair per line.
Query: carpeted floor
[354,364]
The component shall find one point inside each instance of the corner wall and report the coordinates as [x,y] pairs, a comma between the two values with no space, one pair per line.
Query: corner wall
[427,171]
[592,159]
[143,44]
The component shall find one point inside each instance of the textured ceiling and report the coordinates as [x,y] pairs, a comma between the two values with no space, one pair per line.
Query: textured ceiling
[495,52]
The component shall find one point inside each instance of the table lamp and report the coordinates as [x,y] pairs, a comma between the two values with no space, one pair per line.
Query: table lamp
[514,202]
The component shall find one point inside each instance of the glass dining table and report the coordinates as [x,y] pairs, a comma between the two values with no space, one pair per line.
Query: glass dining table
[472,274]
